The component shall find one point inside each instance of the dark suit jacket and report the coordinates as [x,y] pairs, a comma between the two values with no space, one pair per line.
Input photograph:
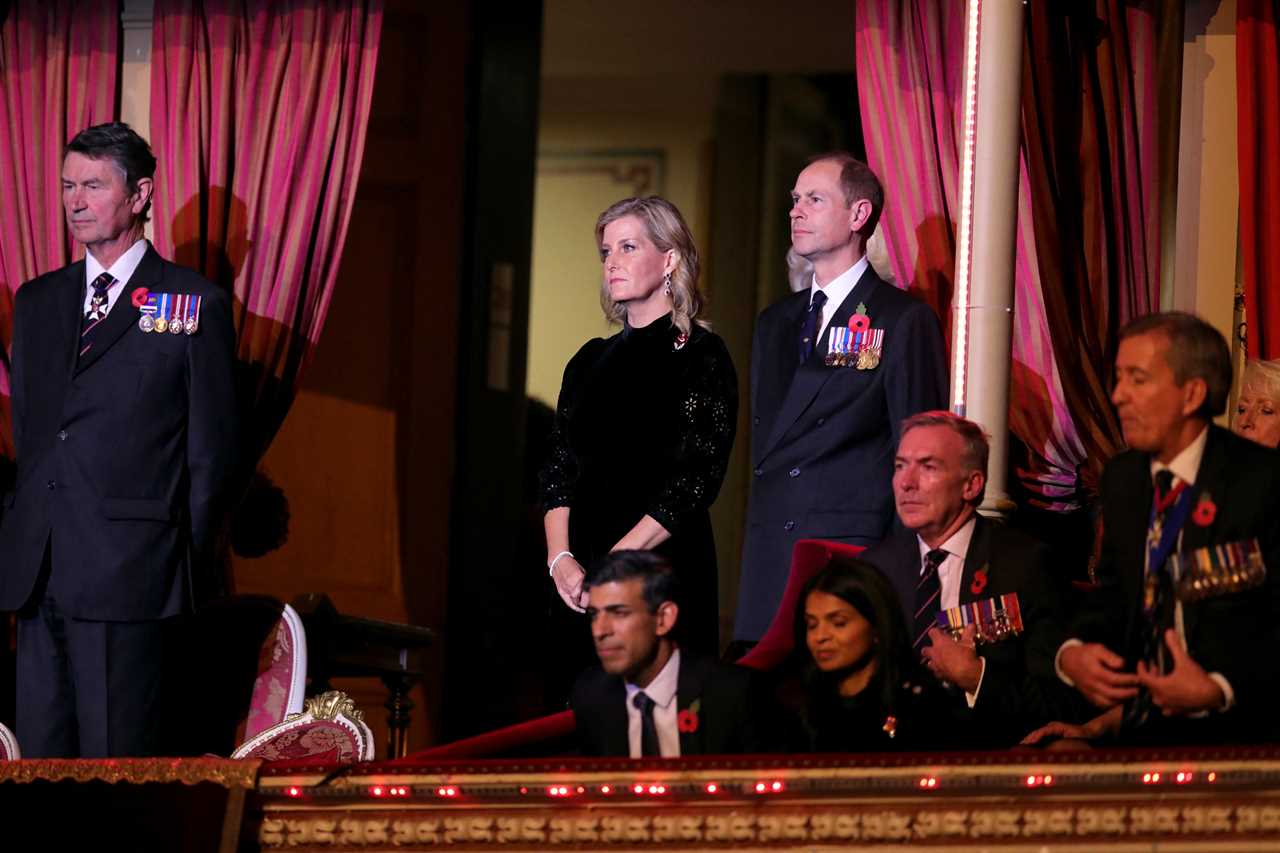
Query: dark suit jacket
[823,438]
[122,454]
[732,715]
[1236,635]
[1020,690]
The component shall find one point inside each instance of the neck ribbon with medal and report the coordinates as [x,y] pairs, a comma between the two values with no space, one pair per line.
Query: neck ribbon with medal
[1169,513]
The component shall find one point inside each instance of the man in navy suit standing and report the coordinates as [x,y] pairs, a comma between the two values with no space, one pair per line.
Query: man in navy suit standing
[835,369]
[124,425]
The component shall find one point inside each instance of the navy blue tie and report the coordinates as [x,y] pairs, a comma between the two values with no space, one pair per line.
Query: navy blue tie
[809,331]
[648,728]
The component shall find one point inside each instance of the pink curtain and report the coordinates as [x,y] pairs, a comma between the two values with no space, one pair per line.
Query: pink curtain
[910,80]
[258,116]
[58,67]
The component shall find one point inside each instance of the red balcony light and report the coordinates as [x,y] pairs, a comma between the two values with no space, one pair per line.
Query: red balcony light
[1151,778]
[606,789]
[1032,781]
[1183,777]
[761,787]
[378,791]
[639,789]
[293,791]
[712,788]
[928,782]
[776,786]
[1212,777]
[1048,780]
[443,791]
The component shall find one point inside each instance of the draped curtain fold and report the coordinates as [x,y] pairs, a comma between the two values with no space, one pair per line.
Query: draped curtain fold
[59,61]
[1258,126]
[259,114]
[1086,198]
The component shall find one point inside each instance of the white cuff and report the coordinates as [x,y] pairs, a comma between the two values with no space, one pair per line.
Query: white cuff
[972,698]
[1228,695]
[1057,660]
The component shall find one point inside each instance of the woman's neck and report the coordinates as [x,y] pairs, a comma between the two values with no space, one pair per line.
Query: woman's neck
[642,313]
[857,681]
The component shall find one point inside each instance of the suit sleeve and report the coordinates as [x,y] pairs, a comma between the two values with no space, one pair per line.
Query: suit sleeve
[916,375]
[212,420]
[1101,617]
[708,420]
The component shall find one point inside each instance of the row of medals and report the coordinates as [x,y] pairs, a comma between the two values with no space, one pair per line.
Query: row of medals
[175,326]
[999,628]
[866,359]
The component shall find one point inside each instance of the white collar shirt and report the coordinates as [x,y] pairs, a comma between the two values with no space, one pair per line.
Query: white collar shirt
[837,290]
[122,270]
[662,690]
[951,569]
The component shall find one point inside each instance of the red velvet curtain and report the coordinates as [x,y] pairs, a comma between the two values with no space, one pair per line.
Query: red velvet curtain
[258,116]
[1089,121]
[1258,134]
[58,68]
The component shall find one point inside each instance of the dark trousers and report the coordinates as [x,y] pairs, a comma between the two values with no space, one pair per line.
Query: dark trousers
[86,688]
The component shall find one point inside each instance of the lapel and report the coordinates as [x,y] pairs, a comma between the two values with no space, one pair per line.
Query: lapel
[813,374]
[978,556]
[689,683]
[613,730]
[123,315]
[1210,481]
[68,308]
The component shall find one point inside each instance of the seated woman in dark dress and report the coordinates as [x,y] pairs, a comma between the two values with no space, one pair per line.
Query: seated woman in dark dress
[645,421]
[863,689]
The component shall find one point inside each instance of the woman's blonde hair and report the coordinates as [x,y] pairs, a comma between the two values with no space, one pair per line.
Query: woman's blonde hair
[1264,376]
[667,230]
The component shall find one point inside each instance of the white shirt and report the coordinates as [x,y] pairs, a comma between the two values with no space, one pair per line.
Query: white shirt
[1184,466]
[950,572]
[122,270]
[836,290]
[662,690]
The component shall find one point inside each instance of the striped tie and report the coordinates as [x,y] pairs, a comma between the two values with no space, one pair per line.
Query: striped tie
[97,310]
[928,591]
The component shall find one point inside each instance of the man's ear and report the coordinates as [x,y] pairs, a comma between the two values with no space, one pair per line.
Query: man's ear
[1193,395]
[973,485]
[668,613]
[142,195]
[859,214]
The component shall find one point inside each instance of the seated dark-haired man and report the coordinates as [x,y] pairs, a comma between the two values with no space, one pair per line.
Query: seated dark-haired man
[1176,646]
[993,585]
[647,698]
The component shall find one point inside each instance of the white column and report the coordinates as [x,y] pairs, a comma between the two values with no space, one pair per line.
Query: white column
[983,303]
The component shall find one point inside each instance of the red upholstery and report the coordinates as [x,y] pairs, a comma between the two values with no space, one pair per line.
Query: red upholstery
[807,558]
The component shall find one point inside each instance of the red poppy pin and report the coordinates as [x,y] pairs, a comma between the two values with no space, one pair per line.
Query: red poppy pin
[860,322]
[687,720]
[979,581]
[140,297]
[1206,511]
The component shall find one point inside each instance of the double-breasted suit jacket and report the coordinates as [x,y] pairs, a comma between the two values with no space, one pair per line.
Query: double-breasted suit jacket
[823,438]
[122,452]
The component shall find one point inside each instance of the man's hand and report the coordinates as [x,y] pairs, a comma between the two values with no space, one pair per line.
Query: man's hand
[1107,721]
[952,661]
[1187,688]
[1099,674]
[568,577]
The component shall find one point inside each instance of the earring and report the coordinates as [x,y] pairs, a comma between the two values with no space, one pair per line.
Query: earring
[667,284]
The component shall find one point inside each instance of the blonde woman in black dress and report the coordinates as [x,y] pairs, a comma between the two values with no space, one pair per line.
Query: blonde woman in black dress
[645,420]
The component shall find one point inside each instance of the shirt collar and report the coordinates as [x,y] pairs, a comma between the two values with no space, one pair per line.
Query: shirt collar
[122,270]
[957,545]
[840,286]
[663,687]
[1186,464]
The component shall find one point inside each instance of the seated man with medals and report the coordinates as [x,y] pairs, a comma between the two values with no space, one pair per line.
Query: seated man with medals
[1175,646]
[981,598]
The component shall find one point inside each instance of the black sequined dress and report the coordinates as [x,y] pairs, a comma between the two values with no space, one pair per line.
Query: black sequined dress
[645,428]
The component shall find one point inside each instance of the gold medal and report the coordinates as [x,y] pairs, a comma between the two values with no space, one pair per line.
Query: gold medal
[161,324]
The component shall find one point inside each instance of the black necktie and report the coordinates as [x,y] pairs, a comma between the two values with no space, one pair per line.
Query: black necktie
[809,331]
[928,593]
[97,311]
[648,729]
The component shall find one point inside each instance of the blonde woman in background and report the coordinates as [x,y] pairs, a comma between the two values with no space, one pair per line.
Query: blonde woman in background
[1257,414]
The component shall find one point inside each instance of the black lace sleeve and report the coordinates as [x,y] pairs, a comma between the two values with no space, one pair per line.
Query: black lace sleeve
[559,471]
[708,421]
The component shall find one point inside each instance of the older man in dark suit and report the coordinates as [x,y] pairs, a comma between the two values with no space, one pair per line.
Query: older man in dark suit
[997,585]
[834,370]
[648,698]
[124,424]
[1177,643]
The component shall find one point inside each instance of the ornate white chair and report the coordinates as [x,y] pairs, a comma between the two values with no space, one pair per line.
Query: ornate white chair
[8,745]
[329,730]
[280,687]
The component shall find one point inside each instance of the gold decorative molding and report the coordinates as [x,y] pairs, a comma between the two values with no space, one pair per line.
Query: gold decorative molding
[229,773]
[330,705]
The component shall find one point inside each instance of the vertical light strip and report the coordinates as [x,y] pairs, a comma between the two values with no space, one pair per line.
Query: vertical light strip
[964,242]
